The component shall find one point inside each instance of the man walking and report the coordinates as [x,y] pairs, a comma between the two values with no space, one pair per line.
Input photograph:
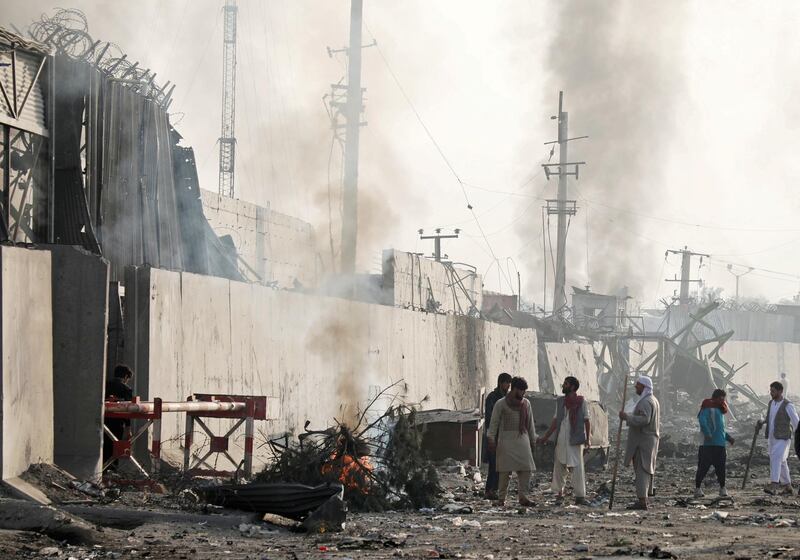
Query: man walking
[512,436]
[572,427]
[643,436]
[503,385]
[781,420]
[712,452]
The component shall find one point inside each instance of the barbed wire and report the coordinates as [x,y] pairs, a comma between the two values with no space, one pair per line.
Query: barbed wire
[67,33]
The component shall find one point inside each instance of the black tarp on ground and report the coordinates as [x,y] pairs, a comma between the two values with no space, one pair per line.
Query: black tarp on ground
[291,500]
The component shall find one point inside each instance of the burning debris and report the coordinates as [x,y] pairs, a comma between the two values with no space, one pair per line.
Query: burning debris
[380,464]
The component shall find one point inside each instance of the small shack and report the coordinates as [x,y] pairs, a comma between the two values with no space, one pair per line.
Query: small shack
[451,434]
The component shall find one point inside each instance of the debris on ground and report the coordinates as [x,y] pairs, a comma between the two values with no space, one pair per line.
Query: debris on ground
[380,463]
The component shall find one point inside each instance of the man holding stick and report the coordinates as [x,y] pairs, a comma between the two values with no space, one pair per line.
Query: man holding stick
[643,436]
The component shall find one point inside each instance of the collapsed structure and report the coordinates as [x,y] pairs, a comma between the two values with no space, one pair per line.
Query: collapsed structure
[112,253]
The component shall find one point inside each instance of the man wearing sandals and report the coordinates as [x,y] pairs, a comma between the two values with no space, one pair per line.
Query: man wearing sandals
[643,435]
[781,421]
[572,429]
[512,436]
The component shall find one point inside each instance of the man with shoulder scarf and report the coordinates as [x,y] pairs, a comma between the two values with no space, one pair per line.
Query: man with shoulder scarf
[512,436]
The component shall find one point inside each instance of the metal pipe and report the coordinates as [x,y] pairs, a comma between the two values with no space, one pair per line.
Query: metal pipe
[185,406]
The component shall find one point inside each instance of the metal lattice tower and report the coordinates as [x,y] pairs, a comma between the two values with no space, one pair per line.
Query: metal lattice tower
[227,139]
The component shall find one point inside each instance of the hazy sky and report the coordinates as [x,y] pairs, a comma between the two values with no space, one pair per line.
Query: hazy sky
[691,108]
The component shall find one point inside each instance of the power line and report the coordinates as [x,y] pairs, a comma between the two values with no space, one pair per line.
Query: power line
[438,149]
[721,262]
[679,222]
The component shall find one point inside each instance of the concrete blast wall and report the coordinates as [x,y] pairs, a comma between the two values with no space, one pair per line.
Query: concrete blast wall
[765,362]
[279,248]
[576,360]
[80,295]
[317,357]
[414,280]
[26,368]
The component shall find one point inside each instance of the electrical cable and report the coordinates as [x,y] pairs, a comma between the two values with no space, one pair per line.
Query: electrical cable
[437,146]
[679,222]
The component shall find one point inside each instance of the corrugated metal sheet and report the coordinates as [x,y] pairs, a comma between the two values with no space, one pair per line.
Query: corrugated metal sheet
[33,116]
[131,194]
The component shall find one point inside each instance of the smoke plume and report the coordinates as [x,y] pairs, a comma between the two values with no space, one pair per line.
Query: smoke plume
[618,64]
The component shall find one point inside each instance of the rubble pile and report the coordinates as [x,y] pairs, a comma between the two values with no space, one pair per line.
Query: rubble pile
[380,464]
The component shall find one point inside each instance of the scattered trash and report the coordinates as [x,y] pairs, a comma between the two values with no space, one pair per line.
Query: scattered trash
[372,543]
[88,488]
[251,530]
[658,552]
[456,508]
[721,515]
[330,516]
[459,522]
[476,478]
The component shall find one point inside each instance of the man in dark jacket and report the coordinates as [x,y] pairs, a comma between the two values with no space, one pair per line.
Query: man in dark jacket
[118,387]
[492,478]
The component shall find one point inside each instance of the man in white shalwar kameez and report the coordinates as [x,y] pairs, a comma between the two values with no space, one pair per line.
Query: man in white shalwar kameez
[781,421]
[572,422]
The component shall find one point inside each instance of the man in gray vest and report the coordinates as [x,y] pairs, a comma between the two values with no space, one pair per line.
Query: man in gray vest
[781,420]
[643,435]
[572,422]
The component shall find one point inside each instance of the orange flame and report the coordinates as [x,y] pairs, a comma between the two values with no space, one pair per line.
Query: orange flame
[353,474]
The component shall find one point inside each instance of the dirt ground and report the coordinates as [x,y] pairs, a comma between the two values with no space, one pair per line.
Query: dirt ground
[752,525]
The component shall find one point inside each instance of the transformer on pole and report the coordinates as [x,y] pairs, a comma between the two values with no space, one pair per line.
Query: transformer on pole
[227,139]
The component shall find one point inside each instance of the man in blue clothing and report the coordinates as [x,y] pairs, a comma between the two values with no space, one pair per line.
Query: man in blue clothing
[712,452]
[492,478]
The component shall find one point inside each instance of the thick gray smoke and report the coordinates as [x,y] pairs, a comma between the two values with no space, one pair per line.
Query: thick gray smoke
[619,65]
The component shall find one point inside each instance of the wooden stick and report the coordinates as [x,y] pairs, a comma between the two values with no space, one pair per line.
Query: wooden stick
[750,456]
[617,358]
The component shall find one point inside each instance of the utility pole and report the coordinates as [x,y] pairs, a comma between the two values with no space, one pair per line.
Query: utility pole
[748,271]
[352,113]
[686,263]
[227,139]
[563,207]
[437,241]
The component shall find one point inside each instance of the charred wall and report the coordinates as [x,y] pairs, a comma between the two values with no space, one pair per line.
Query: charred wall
[316,357]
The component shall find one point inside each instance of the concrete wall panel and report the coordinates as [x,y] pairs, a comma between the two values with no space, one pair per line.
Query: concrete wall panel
[278,247]
[576,360]
[80,296]
[765,362]
[316,357]
[413,279]
[27,359]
